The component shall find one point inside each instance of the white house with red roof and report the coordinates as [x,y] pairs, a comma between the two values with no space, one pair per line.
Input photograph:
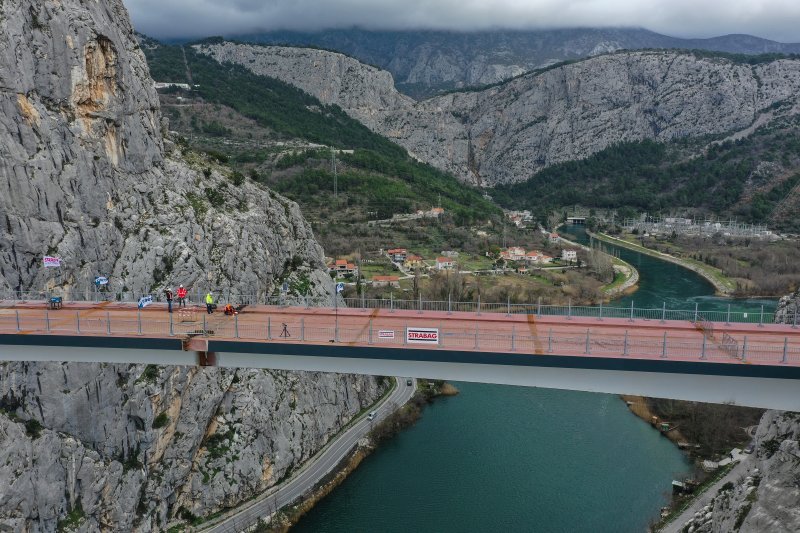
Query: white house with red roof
[445,263]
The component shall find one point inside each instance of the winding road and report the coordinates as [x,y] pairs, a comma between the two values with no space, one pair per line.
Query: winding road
[313,471]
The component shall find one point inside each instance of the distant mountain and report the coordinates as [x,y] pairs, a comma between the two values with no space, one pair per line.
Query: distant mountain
[425,63]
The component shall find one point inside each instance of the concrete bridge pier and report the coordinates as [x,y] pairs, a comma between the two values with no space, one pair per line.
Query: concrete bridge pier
[199,345]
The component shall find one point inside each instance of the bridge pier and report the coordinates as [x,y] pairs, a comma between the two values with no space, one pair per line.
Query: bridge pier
[206,359]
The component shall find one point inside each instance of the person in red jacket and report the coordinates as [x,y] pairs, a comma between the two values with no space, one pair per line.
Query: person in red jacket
[181,296]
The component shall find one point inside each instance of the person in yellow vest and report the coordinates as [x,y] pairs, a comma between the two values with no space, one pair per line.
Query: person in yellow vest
[209,303]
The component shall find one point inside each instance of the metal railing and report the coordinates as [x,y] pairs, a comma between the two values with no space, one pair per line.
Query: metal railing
[755,315]
[689,346]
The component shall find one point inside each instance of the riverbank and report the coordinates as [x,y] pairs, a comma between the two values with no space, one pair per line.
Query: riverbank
[723,285]
[400,419]
[626,277]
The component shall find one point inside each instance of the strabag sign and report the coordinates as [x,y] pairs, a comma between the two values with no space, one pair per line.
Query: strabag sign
[422,335]
[51,262]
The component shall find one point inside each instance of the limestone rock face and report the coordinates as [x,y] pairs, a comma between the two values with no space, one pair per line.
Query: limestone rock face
[365,92]
[509,132]
[768,497]
[223,436]
[84,175]
[788,310]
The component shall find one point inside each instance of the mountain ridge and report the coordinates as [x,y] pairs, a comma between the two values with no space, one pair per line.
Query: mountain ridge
[426,62]
[508,132]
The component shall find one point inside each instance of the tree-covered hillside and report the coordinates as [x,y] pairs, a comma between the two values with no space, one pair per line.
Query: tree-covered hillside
[754,179]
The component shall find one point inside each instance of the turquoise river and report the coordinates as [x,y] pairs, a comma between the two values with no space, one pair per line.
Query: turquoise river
[500,458]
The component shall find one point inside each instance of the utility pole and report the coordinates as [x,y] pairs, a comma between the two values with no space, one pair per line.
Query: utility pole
[335,177]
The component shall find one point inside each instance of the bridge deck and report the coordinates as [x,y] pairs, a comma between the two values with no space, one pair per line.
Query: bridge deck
[769,344]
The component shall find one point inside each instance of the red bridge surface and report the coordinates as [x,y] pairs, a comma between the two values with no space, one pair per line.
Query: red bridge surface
[728,344]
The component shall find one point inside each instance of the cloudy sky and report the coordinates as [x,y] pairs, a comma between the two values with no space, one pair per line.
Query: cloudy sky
[773,19]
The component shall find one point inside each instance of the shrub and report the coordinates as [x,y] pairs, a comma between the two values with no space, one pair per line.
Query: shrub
[160,421]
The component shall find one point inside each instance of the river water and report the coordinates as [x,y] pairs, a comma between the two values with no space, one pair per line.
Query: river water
[500,458]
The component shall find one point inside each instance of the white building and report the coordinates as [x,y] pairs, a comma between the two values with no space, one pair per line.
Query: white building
[569,255]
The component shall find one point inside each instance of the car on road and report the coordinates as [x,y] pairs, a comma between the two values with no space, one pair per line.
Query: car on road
[409,382]
[750,448]
[371,415]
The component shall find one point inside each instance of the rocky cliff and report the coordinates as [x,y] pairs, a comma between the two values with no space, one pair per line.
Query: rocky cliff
[768,497]
[130,448]
[428,61]
[508,132]
[365,92]
[86,174]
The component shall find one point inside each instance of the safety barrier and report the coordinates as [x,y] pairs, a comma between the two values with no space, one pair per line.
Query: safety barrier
[756,315]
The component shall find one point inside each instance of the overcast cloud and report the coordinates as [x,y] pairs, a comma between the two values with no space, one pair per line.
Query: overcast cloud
[772,19]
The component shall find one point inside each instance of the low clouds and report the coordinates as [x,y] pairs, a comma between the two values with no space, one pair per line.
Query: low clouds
[773,19]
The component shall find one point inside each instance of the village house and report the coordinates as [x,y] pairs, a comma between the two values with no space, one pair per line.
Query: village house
[398,255]
[515,253]
[535,256]
[569,255]
[554,237]
[342,268]
[444,263]
[413,261]
[386,281]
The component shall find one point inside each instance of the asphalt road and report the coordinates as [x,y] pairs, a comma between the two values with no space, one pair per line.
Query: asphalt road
[314,470]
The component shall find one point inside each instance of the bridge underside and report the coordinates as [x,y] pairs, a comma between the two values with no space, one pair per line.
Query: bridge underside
[764,386]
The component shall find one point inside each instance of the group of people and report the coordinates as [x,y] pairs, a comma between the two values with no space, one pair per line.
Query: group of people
[181,295]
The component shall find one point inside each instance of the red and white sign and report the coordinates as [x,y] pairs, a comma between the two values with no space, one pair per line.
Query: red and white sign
[422,335]
[386,334]
[50,262]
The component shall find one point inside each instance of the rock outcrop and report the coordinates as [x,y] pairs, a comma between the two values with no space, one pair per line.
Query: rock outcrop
[86,174]
[788,310]
[767,498]
[509,132]
[129,448]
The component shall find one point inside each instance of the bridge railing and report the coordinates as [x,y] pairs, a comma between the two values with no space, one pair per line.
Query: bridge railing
[681,345]
[751,314]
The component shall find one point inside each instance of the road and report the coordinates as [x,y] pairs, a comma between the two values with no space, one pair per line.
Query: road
[313,471]
[738,471]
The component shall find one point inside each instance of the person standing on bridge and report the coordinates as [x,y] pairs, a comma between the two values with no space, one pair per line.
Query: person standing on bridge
[181,296]
[168,295]
[209,303]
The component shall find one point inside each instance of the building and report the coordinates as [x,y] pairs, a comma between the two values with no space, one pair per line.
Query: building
[398,255]
[386,281]
[554,237]
[534,256]
[342,268]
[569,255]
[515,253]
[413,261]
[444,263]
